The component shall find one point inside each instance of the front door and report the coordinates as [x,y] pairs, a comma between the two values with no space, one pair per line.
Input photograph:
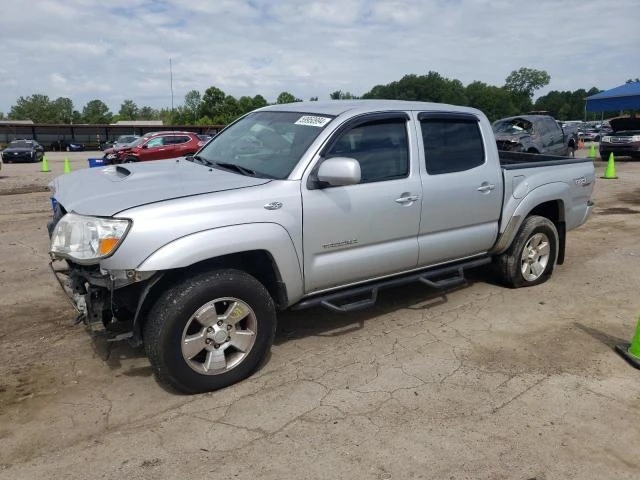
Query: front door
[359,232]
[462,190]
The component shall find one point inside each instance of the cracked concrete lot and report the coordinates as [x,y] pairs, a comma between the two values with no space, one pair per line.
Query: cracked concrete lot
[481,382]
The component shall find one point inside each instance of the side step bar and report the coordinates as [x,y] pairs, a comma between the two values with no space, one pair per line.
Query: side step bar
[454,276]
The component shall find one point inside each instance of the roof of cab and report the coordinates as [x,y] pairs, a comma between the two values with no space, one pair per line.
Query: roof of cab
[338,107]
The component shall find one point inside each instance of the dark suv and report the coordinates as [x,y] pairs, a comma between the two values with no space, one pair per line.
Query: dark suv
[534,134]
[624,141]
[23,151]
[159,146]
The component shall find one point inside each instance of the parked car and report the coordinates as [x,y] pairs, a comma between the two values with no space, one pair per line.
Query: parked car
[302,205]
[160,146]
[23,151]
[66,146]
[591,135]
[122,142]
[624,140]
[534,134]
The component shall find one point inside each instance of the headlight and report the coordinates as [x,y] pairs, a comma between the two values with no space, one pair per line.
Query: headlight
[606,139]
[635,138]
[87,239]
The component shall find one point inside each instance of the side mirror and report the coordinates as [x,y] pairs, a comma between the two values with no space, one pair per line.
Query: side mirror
[340,171]
[145,146]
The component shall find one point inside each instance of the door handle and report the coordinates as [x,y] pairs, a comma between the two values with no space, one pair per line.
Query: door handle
[407,199]
[486,188]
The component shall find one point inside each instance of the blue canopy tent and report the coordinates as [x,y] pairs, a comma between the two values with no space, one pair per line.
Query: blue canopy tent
[624,97]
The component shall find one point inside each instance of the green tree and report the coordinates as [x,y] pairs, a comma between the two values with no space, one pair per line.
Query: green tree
[192,104]
[526,81]
[313,99]
[147,113]
[494,102]
[228,111]
[259,101]
[212,102]
[96,111]
[340,95]
[245,105]
[128,110]
[431,87]
[286,97]
[36,107]
[62,110]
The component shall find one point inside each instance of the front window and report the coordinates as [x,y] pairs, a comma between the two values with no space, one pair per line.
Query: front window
[266,144]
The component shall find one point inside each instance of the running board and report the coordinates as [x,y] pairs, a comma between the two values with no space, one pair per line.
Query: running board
[454,276]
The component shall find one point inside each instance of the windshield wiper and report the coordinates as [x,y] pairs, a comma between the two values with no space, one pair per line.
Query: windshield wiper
[236,168]
[202,160]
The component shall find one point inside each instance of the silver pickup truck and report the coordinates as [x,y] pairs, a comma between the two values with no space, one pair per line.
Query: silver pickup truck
[296,206]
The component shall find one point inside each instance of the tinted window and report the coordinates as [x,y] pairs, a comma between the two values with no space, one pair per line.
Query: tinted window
[451,145]
[381,147]
[176,139]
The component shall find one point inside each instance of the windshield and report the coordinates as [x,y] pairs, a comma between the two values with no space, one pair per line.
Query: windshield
[268,144]
[140,140]
[513,125]
[126,138]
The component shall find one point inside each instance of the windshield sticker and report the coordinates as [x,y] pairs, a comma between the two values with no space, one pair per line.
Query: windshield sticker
[313,121]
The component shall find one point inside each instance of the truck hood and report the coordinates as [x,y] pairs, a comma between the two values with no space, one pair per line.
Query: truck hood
[109,190]
[624,123]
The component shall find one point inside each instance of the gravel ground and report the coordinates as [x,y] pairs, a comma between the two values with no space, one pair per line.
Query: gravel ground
[479,382]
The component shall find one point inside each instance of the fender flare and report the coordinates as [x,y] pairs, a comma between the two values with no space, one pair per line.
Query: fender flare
[209,244]
[549,192]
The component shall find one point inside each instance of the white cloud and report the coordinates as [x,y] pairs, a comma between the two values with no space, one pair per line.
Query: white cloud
[120,49]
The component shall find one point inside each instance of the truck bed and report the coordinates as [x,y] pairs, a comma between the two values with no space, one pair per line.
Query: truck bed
[513,160]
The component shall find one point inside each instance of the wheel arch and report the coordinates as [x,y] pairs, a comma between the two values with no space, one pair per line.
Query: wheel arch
[546,201]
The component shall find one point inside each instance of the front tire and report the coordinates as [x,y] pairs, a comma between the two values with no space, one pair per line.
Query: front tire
[210,331]
[531,257]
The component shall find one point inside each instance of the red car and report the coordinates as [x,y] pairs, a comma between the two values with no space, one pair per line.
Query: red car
[159,146]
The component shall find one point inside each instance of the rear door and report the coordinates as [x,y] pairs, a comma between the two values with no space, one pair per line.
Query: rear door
[462,192]
[359,232]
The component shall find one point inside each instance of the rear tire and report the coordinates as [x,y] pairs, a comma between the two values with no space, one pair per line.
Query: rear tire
[186,336]
[531,257]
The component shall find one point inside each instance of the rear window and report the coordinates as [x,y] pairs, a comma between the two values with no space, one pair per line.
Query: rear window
[451,145]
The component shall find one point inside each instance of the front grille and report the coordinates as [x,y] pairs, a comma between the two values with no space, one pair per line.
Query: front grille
[621,140]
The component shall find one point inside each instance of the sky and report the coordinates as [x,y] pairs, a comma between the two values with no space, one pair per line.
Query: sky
[120,49]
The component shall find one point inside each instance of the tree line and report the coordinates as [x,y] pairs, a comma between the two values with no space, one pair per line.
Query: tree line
[215,107]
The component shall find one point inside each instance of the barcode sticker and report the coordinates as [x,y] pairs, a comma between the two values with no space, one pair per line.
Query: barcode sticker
[313,121]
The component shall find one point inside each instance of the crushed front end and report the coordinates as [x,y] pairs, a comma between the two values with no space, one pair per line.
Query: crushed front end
[109,303]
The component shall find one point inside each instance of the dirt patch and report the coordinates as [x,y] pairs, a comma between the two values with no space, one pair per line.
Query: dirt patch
[618,211]
[632,198]
[24,189]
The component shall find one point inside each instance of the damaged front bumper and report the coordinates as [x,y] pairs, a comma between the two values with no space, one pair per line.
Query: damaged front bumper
[110,304]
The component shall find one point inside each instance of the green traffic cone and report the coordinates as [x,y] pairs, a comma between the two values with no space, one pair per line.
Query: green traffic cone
[45,164]
[67,166]
[592,151]
[631,352]
[610,171]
